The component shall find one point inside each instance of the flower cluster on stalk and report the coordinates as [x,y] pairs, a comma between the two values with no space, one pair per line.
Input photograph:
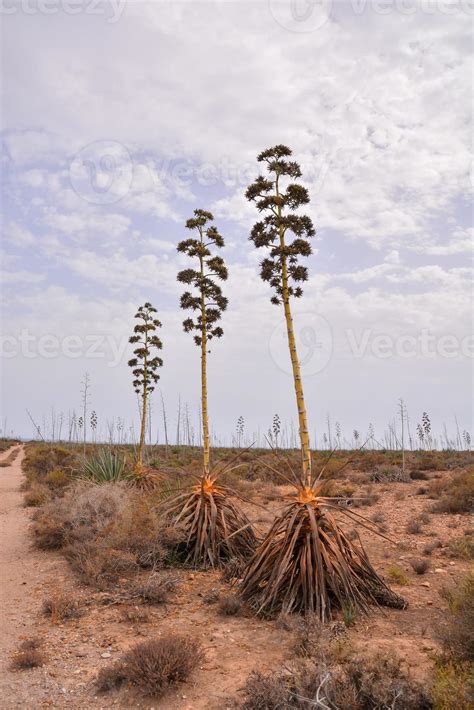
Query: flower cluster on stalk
[278,204]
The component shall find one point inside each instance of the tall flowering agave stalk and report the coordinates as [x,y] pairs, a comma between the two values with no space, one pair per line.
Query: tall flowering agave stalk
[305,563]
[216,529]
[145,365]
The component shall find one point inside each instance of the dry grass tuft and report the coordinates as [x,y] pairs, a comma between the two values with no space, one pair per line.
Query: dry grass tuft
[397,575]
[134,615]
[156,590]
[60,607]
[29,655]
[457,635]
[155,665]
[414,526]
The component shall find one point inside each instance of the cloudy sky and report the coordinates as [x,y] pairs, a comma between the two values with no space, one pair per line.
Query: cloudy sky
[119,119]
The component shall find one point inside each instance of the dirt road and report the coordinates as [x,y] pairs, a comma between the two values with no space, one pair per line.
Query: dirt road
[24,574]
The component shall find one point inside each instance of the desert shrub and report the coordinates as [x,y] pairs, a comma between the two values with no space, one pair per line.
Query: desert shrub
[134,615]
[98,564]
[50,528]
[105,466]
[380,682]
[28,655]
[417,475]
[60,607]
[230,606]
[56,479]
[457,494]
[397,575]
[154,665]
[429,462]
[389,474]
[462,547]
[453,686]
[36,495]
[40,459]
[265,692]
[429,548]
[374,683]
[320,641]
[420,566]
[336,489]
[457,635]
[155,590]
[414,526]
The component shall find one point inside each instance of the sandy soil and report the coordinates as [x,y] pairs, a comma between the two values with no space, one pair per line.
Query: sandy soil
[234,646]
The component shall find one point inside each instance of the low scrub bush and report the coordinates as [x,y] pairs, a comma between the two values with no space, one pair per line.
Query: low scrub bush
[155,590]
[453,686]
[37,494]
[155,665]
[134,615]
[420,566]
[374,683]
[50,528]
[429,462]
[60,607]
[457,635]
[41,459]
[417,475]
[462,547]
[389,474]
[98,564]
[456,494]
[28,655]
[57,479]
[414,526]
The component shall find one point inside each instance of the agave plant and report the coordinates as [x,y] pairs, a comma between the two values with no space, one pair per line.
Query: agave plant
[305,563]
[105,467]
[216,529]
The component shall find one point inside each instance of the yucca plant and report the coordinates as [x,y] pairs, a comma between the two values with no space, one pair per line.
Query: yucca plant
[305,563]
[216,528]
[105,467]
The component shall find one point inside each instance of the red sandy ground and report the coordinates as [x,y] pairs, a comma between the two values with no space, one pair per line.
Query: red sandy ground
[234,646]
